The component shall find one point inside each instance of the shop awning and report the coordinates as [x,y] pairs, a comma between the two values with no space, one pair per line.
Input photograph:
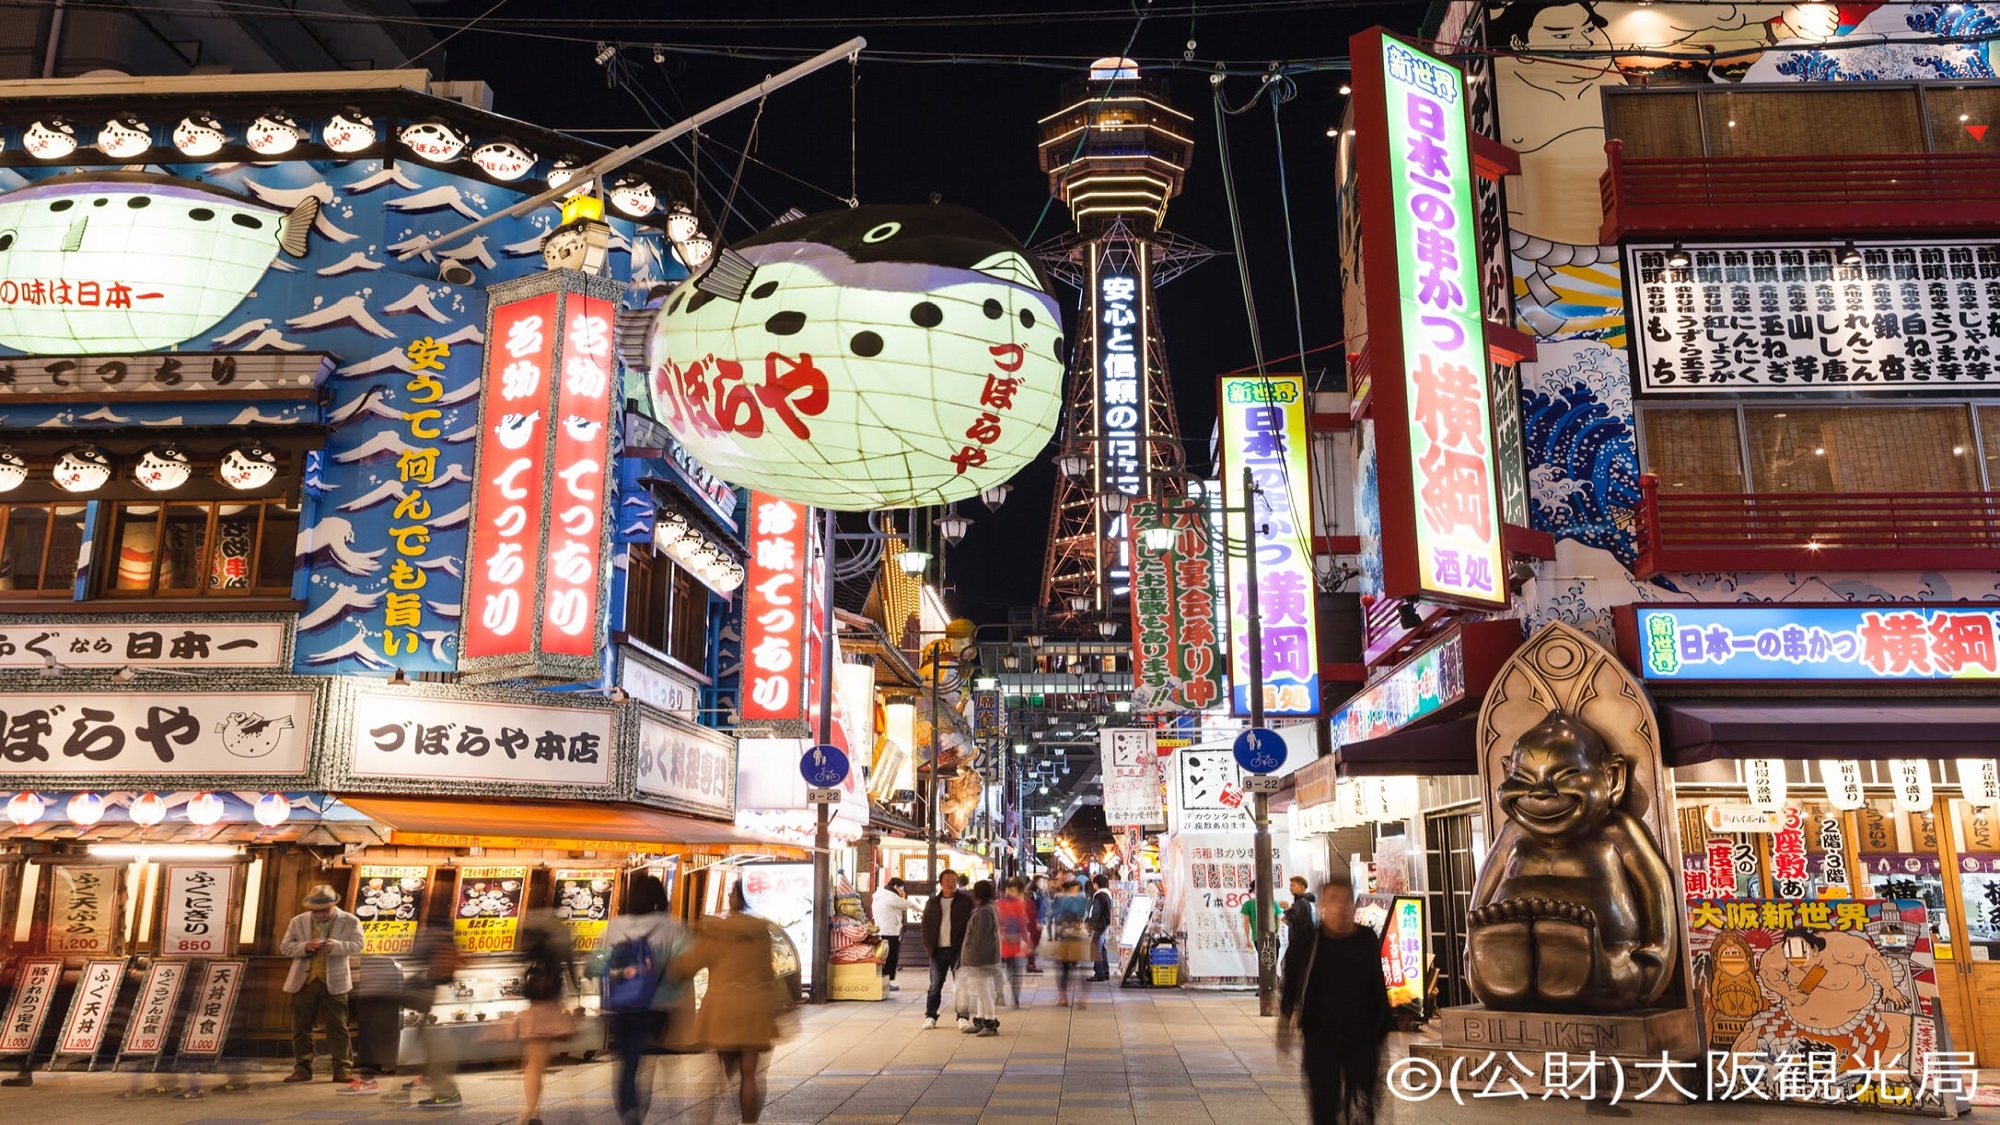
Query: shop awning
[459,823]
[1858,729]
[1438,750]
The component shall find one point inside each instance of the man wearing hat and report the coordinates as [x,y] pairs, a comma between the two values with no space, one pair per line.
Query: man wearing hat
[320,940]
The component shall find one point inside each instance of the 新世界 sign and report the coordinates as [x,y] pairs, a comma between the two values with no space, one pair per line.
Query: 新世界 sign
[1864,641]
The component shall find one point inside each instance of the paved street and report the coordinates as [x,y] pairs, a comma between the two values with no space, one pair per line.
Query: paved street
[1180,1057]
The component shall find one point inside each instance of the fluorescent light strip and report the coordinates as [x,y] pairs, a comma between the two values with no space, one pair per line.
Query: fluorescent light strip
[164,851]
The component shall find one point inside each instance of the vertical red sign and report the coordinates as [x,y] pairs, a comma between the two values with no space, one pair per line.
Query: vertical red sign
[572,586]
[775,609]
[505,553]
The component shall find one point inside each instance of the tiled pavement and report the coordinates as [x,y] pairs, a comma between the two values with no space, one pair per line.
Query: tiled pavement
[1132,1057]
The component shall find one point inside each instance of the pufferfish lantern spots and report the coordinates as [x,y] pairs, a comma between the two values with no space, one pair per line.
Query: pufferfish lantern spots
[857,367]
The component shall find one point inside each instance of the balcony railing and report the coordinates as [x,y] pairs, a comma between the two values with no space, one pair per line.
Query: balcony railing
[1683,531]
[1816,195]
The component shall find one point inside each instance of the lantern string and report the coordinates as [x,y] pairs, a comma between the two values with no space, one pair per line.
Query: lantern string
[749,142]
[854,131]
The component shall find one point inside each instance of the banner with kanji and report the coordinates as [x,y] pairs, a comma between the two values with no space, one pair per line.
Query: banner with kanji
[1176,648]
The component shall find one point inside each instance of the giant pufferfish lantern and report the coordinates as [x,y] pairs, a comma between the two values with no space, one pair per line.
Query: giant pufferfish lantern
[877,357]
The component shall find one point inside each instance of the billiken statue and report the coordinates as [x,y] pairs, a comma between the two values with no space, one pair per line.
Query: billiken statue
[1574,910]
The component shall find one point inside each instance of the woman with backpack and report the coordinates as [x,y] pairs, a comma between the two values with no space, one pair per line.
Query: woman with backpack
[739,1015]
[631,965]
[544,943]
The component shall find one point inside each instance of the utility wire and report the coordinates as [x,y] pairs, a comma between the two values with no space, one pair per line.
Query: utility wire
[1283,90]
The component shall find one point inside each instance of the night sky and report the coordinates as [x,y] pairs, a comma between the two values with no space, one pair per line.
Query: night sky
[966,131]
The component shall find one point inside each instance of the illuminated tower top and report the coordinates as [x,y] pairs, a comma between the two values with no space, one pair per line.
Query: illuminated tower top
[1118,149]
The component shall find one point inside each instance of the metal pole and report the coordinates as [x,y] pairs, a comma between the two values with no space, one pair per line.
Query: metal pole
[612,160]
[1267,934]
[822,952]
[931,805]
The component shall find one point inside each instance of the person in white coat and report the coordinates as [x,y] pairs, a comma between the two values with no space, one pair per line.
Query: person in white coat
[891,909]
[320,941]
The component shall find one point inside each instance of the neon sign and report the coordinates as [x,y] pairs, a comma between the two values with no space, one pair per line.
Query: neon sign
[1120,331]
[773,632]
[1264,428]
[1867,641]
[1426,683]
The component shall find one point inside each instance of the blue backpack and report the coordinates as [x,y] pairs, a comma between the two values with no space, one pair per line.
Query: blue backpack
[631,976]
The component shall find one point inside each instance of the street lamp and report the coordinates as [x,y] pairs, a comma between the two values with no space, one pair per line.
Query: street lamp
[953,527]
[1159,538]
[1079,603]
[1074,465]
[1114,503]
[1107,629]
[913,562]
[995,496]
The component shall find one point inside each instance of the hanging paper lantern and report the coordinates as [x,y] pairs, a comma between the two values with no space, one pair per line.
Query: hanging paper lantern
[161,469]
[13,468]
[124,137]
[563,171]
[433,140]
[85,809]
[681,222]
[199,134]
[347,132]
[632,195]
[877,357]
[204,809]
[148,810]
[51,138]
[503,160]
[82,469]
[273,134]
[247,466]
[272,809]
[695,251]
[24,808]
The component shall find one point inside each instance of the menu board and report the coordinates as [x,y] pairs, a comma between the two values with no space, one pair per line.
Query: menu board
[82,909]
[583,901]
[153,1011]
[488,911]
[34,994]
[90,1006]
[195,920]
[389,901]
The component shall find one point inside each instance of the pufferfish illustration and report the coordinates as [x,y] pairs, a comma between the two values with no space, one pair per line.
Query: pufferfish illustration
[247,466]
[142,261]
[901,355]
[250,735]
[581,429]
[515,430]
[13,468]
[84,468]
[161,469]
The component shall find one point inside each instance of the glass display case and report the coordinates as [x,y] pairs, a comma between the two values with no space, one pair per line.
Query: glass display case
[479,1010]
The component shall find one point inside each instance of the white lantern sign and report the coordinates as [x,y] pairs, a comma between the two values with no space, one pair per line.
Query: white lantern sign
[1979,778]
[1912,778]
[879,357]
[1765,779]
[1843,783]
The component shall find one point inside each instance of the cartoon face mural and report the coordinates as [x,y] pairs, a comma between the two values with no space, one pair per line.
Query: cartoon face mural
[129,261]
[879,357]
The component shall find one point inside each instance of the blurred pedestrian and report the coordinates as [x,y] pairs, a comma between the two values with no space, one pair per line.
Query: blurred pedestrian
[320,940]
[1101,911]
[1069,931]
[892,912]
[437,959]
[979,964]
[945,916]
[1335,994]
[548,982]
[378,1021]
[631,962]
[739,1014]
[1038,918]
[1016,933]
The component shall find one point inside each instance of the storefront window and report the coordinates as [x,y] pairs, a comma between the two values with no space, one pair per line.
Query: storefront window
[1899,852]
[189,550]
[666,608]
[39,547]
[1821,449]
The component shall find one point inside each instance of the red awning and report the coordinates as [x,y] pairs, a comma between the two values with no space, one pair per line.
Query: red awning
[1437,750]
[1858,729]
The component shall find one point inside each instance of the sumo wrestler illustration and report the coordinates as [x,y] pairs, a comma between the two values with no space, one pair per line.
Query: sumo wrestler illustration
[1574,909]
[1835,994]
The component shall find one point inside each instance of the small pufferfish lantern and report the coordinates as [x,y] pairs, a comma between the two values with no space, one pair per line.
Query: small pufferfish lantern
[877,357]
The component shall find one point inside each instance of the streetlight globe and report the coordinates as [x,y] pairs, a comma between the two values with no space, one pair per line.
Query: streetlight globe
[1158,538]
[1114,503]
[995,496]
[1107,628]
[986,683]
[953,527]
[1079,603]
[1073,466]
[913,562]
[1034,640]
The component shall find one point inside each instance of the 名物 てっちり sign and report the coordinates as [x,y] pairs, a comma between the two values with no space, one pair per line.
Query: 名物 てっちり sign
[876,357]
[1436,476]
[187,644]
[1207,790]
[108,734]
[1862,641]
[1263,421]
[411,737]
[1786,317]
[389,901]
[1176,638]
[194,920]
[55,378]
[489,908]
[774,630]
[537,571]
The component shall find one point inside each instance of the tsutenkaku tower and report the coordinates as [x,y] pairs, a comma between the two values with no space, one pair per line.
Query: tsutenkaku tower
[1115,154]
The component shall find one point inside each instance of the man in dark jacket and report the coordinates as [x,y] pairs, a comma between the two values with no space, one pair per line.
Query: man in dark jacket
[1100,925]
[1335,993]
[1299,916]
[945,916]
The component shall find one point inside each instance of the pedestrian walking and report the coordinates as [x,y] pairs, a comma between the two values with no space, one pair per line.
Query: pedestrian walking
[321,940]
[739,1014]
[1300,916]
[548,980]
[631,965]
[1069,933]
[891,911]
[1335,996]
[945,916]
[436,957]
[1038,917]
[1016,933]
[979,964]
[1100,915]
[378,1021]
